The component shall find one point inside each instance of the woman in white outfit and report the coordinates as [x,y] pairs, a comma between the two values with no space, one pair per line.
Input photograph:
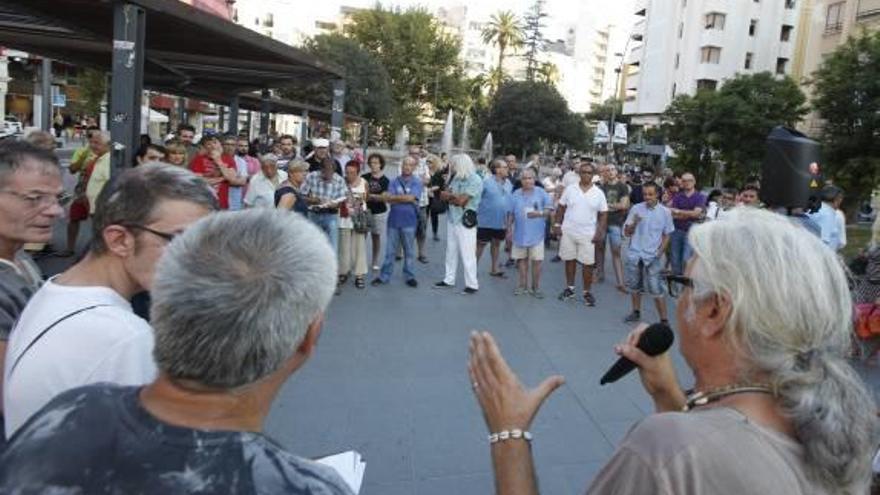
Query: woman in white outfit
[463,194]
[353,244]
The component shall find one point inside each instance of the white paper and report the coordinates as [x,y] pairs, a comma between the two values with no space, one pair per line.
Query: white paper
[350,466]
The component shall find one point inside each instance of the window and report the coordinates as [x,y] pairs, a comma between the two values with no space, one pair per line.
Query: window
[673,90]
[834,18]
[753,27]
[748,60]
[789,4]
[785,34]
[677,60]
[269,20]
[684,3]
[680,30]
[710,55]
[715,20]
[781,65]
[706,84]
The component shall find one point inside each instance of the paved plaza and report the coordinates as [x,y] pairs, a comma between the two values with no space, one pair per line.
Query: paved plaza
[389,379]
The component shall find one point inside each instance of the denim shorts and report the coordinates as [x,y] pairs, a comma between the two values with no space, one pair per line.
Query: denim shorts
[644,278]
[615,236]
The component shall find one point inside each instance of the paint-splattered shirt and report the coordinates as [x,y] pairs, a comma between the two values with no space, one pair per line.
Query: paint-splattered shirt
[99,439]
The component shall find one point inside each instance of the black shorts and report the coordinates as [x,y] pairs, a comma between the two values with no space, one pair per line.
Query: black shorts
[488,235]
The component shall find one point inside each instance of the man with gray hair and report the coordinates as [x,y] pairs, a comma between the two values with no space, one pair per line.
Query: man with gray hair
[79,328]
[32,200]
[220,367]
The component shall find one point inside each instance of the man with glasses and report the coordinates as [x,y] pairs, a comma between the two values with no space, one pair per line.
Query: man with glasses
[687,207]
[648,225]
[582,218]
[32,199]
[79,328]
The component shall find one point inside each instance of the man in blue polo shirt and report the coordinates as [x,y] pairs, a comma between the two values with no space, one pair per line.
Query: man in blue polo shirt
[531,208]
[403,196]
[648,225]
[493,216]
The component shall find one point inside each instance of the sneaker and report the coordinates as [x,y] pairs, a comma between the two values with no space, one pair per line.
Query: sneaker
[556,259]
[412,283]
[633,317]
[443,285]
[519,291]
[537,294]
[376,281]
[510,264]
[567,294]
[469,290]
[589,300]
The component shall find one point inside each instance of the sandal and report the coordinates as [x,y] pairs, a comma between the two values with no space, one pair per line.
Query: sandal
[359,282]
[497,274]
[343,279]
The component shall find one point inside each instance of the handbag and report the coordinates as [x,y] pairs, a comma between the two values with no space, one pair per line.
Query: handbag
[469,219]
[361,218]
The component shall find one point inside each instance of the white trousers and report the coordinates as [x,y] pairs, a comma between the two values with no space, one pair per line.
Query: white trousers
[461,241]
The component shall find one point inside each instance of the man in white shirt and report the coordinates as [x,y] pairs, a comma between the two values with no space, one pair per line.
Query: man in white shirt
[261,191]
[582,218]
[79,328]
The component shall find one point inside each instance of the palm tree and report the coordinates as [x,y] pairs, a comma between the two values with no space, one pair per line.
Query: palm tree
[548,72]
[506,31]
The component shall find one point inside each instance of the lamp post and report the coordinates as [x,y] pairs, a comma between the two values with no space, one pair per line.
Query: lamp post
[619,71]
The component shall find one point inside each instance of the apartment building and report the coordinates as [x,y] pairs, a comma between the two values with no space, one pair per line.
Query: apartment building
[679,46]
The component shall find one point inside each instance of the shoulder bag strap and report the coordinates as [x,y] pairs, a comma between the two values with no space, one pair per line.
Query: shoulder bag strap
[46,330]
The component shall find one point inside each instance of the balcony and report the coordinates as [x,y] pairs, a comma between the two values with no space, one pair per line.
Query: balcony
[640,7]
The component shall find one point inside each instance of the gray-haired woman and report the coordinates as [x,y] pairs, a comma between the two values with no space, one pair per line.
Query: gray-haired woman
[775,406]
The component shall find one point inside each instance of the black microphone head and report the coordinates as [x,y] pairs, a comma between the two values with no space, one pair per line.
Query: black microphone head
[656,339]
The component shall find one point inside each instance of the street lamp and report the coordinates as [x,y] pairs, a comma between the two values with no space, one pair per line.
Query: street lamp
[619,71]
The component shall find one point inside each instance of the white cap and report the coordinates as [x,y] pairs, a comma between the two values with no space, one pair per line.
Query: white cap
[320,143]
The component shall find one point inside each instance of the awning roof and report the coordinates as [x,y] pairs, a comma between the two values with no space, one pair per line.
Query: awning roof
[188,51]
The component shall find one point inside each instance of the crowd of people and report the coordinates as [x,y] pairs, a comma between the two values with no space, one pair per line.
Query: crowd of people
[97,398]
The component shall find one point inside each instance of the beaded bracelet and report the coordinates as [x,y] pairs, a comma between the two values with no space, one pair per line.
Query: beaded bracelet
[514,434]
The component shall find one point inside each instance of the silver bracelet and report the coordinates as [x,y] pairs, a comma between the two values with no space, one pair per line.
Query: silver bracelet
[514,434]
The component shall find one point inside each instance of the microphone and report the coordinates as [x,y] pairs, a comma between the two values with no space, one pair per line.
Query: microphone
[655,340]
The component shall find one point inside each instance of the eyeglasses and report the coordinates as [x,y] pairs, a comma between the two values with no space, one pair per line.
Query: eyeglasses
[675,284]
[42,200]
[168,236]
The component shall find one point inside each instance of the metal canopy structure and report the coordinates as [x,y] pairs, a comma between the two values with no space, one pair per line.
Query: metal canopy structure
[187,51]
[163,45]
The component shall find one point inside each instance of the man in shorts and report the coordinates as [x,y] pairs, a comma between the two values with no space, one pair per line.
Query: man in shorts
[648,225]
[582,218]
[617,195]
[531,207]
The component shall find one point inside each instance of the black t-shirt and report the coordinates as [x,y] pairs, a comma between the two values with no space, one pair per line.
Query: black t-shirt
[613,194]
[375,187]
[99,439]
[299,206]
[315,165]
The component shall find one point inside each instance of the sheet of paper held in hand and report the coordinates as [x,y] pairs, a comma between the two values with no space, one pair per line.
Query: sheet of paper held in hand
[350,466]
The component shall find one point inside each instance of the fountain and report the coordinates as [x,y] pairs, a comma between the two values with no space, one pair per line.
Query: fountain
[486,150]
[446,140]
[465,143]
[401,139]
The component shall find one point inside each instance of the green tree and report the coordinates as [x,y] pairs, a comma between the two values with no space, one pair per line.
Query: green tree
[548,73]
[755,104]
[367,84]
[421,59]
[92,90]
[847,97]
[505,31]
[692,124]
[526,115]
[731,125]
[534,39]
[602,112]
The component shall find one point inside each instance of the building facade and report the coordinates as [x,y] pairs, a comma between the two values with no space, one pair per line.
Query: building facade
[680,46]
[827,25]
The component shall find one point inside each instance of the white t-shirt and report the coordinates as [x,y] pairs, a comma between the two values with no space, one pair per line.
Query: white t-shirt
[582,209]
[570,178]
[108,343]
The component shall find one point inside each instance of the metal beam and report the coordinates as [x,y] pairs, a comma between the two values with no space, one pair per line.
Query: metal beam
[233,116]
[304,132]
[337,115]
[46,95]
[129,23]
[264,117]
